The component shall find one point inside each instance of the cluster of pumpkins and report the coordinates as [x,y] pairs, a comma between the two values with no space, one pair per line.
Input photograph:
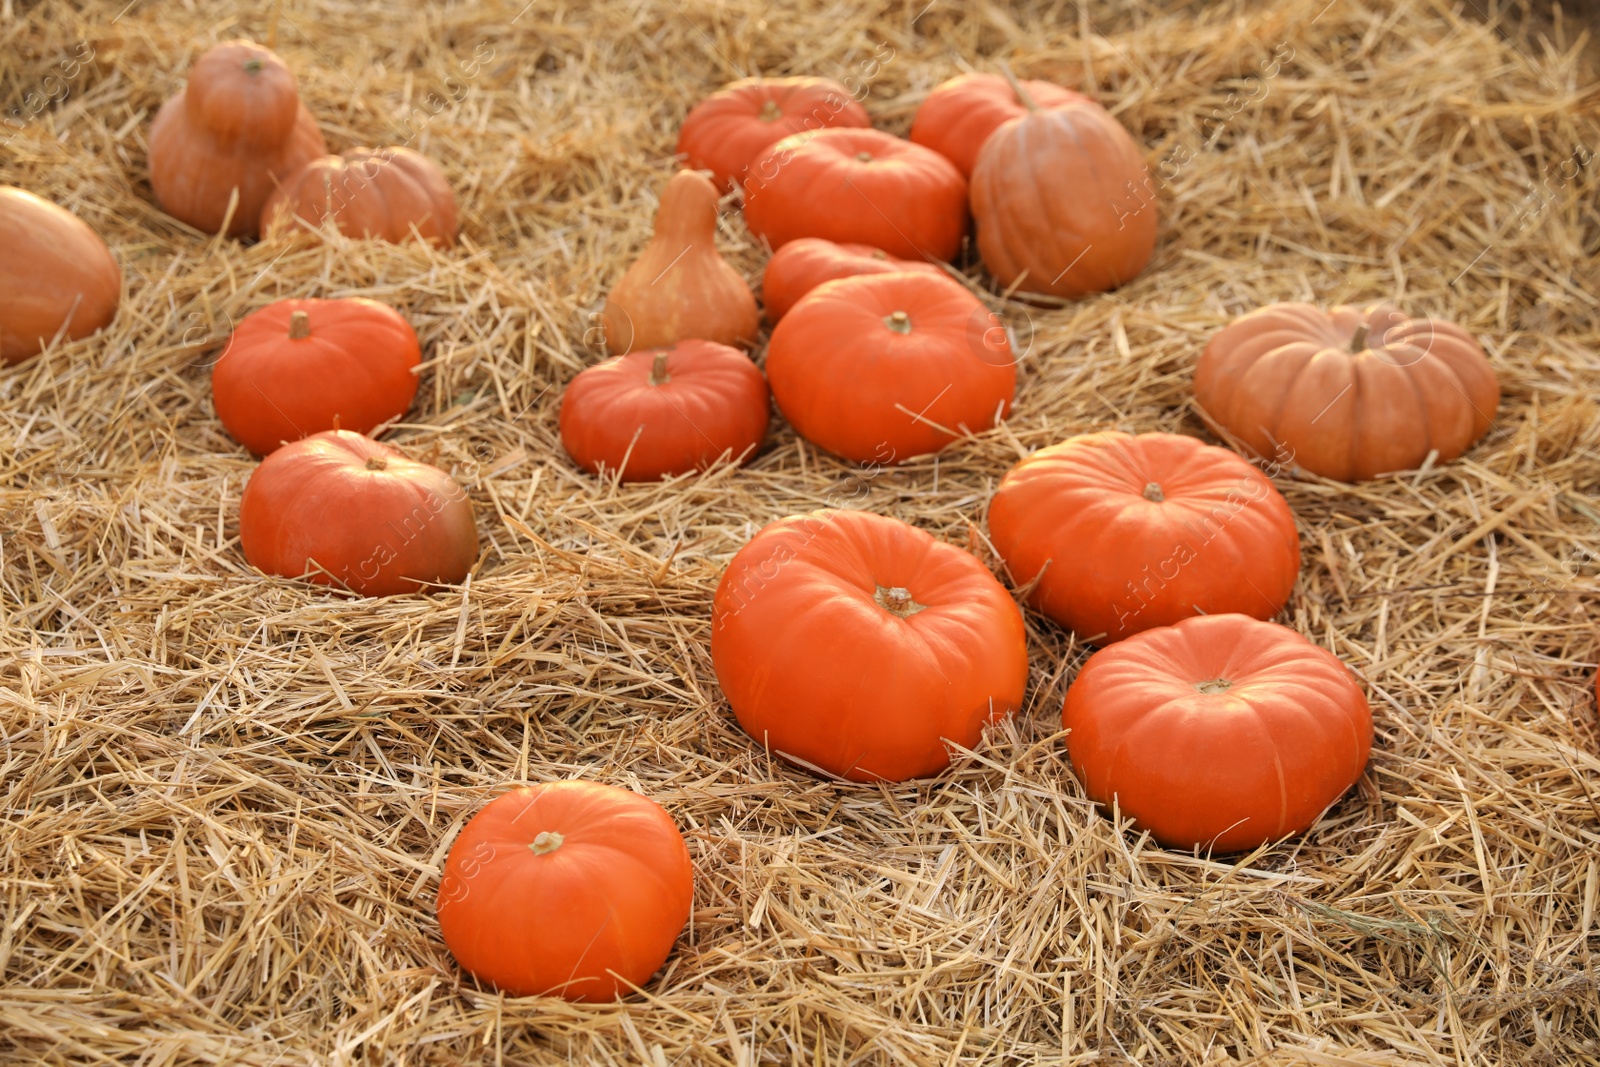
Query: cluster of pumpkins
[847,643]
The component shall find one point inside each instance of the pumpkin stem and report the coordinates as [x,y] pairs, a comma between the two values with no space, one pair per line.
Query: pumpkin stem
[1016,86]
[878,253]
[1214,686]
[899,322]
[1153,493]
[547,842]
[299,325]
[897,601]
[770,111]
[252,66]
[658,370]
[1359,341]
[377,463]
[865,157]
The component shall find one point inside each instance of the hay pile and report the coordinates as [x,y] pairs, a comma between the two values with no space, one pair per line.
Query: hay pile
[226,798]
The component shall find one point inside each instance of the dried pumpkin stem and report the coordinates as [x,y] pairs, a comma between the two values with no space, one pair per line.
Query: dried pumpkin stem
[1214,686]
[547,842]
[864,157]
[1359,341]
[899,322]
[1153,493]
[252,66]
[771,112]
[1016,87]
[658,370]
[299,325]
[878,253]
[377,463]
[897,600]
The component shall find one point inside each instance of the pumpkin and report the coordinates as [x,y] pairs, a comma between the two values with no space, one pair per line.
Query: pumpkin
[883,367]
[340,508]
[800,266]
[1349,393]
[369,192]
[1063,202]
[57,276]
[296,367]
[680,287]
[1221,732]
[734,125]
[857,645]
[1114,533]
[958,116]
[663,411]
[238,127]
[569,889]
[860,187]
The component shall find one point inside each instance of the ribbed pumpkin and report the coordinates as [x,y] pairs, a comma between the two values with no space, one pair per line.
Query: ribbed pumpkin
[1347,393]
[1118,533]
[55,273]
[1063,202]
[728,129]
[858,186]
[239,126]
[1221,732]
[800,266]
[296,367]
[368,192]
[958,116]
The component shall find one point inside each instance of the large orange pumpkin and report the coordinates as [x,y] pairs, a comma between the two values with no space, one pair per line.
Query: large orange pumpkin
[858,186]
[958,116]
[368,192]
[1063,202]
[662,411]
[569,889]
[238,126]
[734,125]
[56,276]
[879,368]
[1348,393]
[1221,732]
[857,645]
[1119,533]
[296,367]
[802,265]
[344,509]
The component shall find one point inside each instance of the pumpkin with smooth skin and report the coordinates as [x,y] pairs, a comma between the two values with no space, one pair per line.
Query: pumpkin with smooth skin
[342,509]
[858,646]
[1221,732]
[387,193]
[1347,393]
[568,889]
[665,411]
[802,265]
[1115,533]
[880,368]
[296,367]
[237,126]
[56,276]
[1063,202]
[728,129]
[858,187]
[957,117]
[680,287]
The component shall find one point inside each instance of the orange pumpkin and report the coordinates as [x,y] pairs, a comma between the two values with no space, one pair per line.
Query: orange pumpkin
[663,411]
[57,276]
[857,645]
[1349,393]
[296,367]
[858,186]
[369,192]
[1221,732]
[1118,533]
[800,266]
[1063,202]
[880,368]
[958,116]
[734,125]
[237,127]
[340,508]
[569,889]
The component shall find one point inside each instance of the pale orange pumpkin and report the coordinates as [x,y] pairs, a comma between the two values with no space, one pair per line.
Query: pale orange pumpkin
[368,192]
[56,276]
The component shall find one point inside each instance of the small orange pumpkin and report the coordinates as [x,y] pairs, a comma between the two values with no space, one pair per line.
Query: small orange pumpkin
[368,192]
[57,276]
[238,126]
[296,367]
[728,129]
[568,889]
[958,116]
[802,265]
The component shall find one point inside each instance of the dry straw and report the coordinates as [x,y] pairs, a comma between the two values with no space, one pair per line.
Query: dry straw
[226,798]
